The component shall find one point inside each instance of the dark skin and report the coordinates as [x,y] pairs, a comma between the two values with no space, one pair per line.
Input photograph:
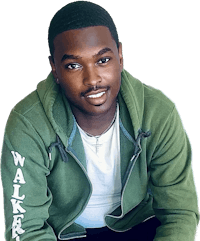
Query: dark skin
[87,65]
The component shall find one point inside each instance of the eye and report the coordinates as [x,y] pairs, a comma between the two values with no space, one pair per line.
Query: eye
[103,60]
[73,66]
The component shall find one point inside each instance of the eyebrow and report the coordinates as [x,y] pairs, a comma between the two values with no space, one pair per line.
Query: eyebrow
[101,52]
[66,56]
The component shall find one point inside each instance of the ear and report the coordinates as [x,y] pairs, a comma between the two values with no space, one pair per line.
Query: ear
[53,68]
[121,56]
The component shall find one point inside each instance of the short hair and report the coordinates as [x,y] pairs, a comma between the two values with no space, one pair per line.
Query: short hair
[77,15]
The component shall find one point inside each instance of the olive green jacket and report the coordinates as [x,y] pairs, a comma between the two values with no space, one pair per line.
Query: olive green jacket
[44,173]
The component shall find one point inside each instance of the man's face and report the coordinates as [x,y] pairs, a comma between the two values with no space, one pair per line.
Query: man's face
[88,65]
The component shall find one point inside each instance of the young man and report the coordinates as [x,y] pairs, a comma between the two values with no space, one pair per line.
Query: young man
[93,152]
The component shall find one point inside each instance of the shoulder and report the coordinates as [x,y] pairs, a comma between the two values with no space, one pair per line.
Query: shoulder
[27,104]
[28,116]
[147,97]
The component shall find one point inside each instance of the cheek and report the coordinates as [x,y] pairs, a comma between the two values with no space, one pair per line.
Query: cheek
[112,72]
[114,84]
[117,82]
[115,77]
[70,87]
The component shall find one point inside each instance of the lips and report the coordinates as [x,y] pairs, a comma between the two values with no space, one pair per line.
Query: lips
[97,97]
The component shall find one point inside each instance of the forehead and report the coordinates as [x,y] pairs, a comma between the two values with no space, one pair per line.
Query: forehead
[81,39]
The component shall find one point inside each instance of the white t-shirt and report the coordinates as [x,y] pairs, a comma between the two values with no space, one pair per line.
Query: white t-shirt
[103,168]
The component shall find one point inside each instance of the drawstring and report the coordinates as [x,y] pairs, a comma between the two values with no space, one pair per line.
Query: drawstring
[60,147]
[140,136]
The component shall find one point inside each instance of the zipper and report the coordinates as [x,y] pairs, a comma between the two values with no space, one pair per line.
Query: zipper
[129,169]
[128,173]
[82,236]
[131,166]
[70,223]
[134,158]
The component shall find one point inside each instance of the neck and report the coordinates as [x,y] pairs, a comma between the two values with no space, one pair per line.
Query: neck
[97,124]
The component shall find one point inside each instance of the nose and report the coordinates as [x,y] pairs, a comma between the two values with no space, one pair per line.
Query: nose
[91,76]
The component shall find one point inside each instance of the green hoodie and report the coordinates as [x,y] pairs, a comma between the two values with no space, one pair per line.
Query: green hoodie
[44,171]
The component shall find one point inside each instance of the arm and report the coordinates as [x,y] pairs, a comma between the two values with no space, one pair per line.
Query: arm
[172,185]
[24,167]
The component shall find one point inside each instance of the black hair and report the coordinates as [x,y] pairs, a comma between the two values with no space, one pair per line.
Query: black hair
[77,15]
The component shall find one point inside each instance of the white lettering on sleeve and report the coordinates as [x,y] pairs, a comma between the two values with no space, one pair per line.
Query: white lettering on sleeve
[16,198]
[16,226]
[18,158]
[16,192]
[19,177]
[16,206]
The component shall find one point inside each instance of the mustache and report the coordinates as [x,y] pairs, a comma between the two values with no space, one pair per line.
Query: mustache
[94,88]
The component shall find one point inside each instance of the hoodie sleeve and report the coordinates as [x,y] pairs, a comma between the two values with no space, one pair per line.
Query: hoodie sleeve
[172,184]
[24,168]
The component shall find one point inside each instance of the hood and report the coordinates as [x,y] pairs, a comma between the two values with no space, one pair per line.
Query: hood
[56,108]
[132,92]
